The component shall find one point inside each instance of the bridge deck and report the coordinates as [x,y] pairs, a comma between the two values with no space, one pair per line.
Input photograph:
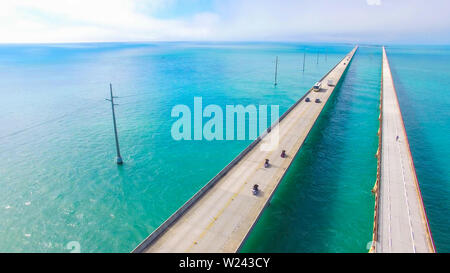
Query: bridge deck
[220,219]
[403,225]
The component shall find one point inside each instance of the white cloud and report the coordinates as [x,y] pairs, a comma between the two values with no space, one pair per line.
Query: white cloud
[95,20]
[311,20]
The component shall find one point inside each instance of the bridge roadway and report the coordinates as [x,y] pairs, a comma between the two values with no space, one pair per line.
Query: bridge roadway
[402,221]
[220,216]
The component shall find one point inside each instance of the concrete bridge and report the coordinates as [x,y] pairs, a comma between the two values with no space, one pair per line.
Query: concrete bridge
[220,216]
[400,224]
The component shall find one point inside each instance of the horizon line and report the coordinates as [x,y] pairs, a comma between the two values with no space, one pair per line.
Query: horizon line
[225,41]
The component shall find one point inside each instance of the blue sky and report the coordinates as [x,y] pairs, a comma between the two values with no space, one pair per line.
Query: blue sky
[355,21]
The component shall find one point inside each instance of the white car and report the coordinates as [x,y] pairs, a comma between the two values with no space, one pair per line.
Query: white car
[316,87]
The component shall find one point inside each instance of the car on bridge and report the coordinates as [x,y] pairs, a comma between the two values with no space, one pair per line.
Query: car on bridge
[316,87]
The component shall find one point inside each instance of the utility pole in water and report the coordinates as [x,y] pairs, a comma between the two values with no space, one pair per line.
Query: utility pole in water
[119,157]
[304,58]
[276,71]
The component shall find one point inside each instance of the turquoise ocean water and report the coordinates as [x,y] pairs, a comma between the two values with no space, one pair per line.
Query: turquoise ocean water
[59,183]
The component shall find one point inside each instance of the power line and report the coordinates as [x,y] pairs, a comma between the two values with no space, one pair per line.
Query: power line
[47,121]
[67,115]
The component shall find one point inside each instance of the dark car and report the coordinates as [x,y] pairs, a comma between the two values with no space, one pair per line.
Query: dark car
[318,101]
[308,100]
